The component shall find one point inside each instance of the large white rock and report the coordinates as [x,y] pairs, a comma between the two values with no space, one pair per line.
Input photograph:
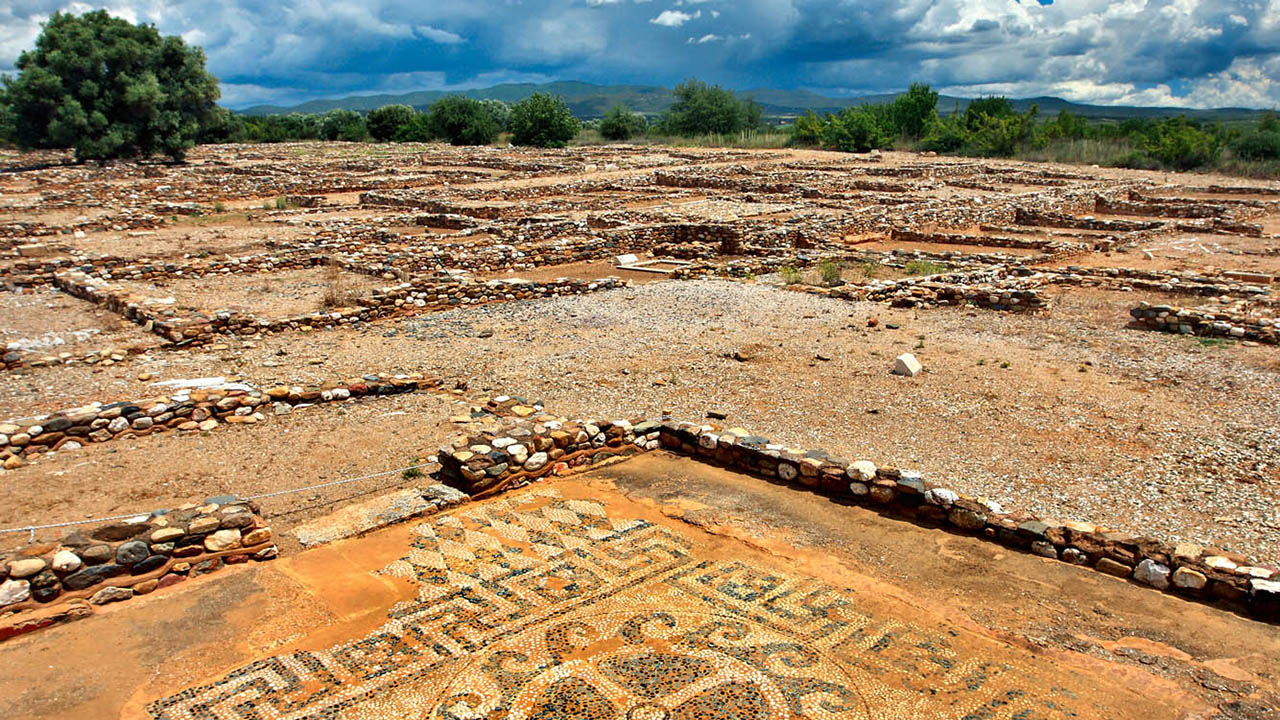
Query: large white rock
[1150,572]
[907,365]
[14,591]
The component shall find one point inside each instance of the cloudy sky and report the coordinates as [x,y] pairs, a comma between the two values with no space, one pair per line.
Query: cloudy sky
[1194,53]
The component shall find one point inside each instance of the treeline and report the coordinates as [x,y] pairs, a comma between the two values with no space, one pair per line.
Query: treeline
[539,120]
[992,127]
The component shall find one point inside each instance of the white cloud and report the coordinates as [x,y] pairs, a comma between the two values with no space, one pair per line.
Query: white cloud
[444,37]
[675,18]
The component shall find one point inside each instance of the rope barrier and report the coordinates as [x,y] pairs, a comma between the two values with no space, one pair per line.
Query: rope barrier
[71,523]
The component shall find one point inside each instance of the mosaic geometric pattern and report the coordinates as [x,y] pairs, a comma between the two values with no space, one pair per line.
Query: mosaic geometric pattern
[540,607]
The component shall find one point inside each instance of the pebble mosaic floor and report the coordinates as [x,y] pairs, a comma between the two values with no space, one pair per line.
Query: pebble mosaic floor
[538,606]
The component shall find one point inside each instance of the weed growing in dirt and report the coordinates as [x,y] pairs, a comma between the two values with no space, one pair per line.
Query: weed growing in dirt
[790,275]
[869,269]
[336,291]
[830,272]
[218,207]
[925,267]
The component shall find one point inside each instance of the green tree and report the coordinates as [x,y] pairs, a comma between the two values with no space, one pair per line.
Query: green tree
[855,129]
[808,129]
[109,89]
[222,126]
[500,112]
[342,124]
[619,123]
[911,112]
[383,123]
[541,120]
[702,109]
[987,107]
[1182,145]
[417,129]
[461,120]
[1261,143]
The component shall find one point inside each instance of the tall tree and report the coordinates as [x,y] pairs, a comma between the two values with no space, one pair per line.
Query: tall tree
[109,89]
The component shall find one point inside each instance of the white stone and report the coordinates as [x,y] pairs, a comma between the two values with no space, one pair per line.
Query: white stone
[907,365]
[1218,562]
[66,561]
[708,441]
[941,496]
[1152,573]
[536,462]
[787,471]
[14,591]
[1188,578]
[863,470]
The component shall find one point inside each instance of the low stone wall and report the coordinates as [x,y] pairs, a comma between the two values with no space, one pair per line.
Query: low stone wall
[532,444]
[48,583]
[1206,323]
[423,294]
[1182,283]
[528,444]
[185,411]
[14,359]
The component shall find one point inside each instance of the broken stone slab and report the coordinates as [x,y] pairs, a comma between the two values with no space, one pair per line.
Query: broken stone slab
[378,512]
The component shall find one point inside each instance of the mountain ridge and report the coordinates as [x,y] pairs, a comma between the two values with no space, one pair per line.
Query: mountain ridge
[589,100]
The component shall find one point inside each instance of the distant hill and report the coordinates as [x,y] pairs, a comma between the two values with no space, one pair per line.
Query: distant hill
[587,101]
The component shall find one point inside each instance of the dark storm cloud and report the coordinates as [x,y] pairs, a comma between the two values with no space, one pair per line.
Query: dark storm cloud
[1192,52]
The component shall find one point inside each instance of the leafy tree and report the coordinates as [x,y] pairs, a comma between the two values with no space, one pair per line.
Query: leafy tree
[855,129]
[988,107]
[461,120]
[342,124]
[109,89]
[1262,143]
[222,126]
[911,112]
[702,109]
[500,112]
[1066,126]
[383,123]
[417,129]
[808,129]
[619,123]
[1001,135]
[541,120]
[1180,144]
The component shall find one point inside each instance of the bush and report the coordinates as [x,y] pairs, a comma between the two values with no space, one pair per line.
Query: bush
[1002,135]
[541,120]
[417,129]
[1262,143]
[619,123]
[1179,144]
[831,273]
[460,120]
[347,125]
[855,129]
[808,130]
[702,109]
[384,122]
[500,112]
[109,89]
[925,267]
[911,112]
[790,275]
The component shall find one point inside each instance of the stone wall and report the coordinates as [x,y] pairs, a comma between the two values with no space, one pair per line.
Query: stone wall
[1206,322]
[530,443]
[195,410]
[44,584]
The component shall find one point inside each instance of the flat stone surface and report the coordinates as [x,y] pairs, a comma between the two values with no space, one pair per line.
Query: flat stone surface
[375,513]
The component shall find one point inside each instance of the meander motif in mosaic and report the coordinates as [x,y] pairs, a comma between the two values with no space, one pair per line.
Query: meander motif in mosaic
[541,607]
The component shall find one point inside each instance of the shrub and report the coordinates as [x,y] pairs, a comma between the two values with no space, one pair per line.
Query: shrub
[830,272]
[1002,135]
[342,124]
[807,130]
[702,109]
[461,120]
[541,120]
[911,112]
[417,129]
[790,275]
[385,122]
[500,112]
[109,89]
[1262,143]
[619,123]
[1179,144]
[855,129]
[925,267]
